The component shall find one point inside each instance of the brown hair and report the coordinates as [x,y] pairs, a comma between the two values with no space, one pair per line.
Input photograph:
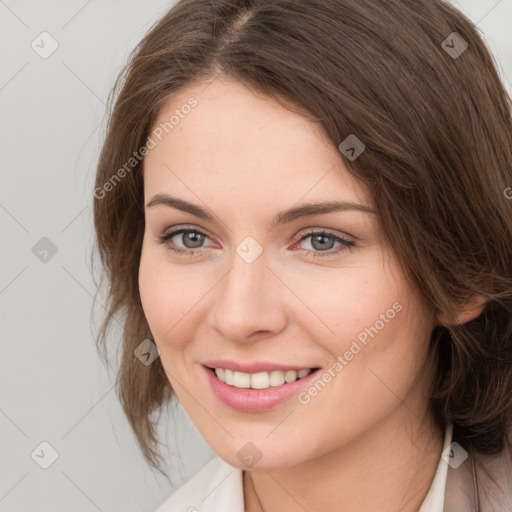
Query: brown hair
[437,130]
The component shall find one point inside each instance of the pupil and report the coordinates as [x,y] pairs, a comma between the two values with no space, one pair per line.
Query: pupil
[197,241]
[324,238]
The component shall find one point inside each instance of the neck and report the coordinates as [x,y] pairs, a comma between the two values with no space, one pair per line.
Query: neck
[390,467]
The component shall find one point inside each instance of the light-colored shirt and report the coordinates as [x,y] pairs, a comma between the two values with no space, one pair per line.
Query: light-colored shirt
[218,487]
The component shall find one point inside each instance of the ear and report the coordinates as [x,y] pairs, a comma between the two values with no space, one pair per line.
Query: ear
[471,310]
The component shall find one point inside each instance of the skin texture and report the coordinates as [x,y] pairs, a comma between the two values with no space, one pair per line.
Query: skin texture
[366,440]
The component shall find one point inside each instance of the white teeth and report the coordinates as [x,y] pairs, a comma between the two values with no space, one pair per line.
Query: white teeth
[241,380]
[276,378]
[290,376]
[228,377]
[260,380]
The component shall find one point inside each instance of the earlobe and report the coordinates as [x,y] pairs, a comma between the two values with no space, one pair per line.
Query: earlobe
[470,311]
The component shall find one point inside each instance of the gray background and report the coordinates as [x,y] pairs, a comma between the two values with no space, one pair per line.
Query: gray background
[53,387]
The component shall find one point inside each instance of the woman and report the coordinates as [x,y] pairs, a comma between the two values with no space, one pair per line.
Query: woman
[302,212]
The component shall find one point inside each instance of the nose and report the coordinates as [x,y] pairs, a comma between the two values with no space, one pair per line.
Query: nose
[248,302]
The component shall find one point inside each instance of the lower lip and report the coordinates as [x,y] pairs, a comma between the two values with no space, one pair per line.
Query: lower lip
[256,400]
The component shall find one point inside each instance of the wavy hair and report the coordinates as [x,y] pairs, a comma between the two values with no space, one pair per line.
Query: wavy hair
[436,123]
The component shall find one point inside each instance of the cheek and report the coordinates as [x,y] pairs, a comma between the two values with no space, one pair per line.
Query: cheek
[161,302]
[343,302]
[150,289]
[370,316]
[383,354]
[172,298]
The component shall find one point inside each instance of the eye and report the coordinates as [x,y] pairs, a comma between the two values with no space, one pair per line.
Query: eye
[322,243]
[192,239]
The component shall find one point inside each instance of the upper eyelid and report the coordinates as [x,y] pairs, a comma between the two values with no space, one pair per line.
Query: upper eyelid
[304,233]
[180,229]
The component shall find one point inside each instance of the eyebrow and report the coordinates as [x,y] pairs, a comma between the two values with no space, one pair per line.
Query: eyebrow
[284,217]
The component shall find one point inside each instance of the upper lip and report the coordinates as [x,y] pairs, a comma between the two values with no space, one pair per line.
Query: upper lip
[254,366]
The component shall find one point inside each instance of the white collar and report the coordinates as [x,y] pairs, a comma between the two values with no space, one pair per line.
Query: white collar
[434,500]
[218,487]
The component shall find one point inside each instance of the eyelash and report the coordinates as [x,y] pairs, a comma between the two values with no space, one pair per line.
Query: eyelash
[346,244]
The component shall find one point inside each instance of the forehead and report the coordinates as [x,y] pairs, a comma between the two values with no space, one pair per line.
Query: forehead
[222,137]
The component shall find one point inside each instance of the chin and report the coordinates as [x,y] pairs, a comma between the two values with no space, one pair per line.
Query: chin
[261,455]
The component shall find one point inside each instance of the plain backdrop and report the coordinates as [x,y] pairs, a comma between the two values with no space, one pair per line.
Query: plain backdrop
[54,389]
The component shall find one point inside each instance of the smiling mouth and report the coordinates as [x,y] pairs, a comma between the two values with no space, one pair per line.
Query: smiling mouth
[260,380]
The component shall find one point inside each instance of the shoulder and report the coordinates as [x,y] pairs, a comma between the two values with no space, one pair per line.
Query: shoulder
[497,479]
[494,477]
[217,487]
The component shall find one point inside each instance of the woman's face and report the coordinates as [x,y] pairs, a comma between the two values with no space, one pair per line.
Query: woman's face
[318,289]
